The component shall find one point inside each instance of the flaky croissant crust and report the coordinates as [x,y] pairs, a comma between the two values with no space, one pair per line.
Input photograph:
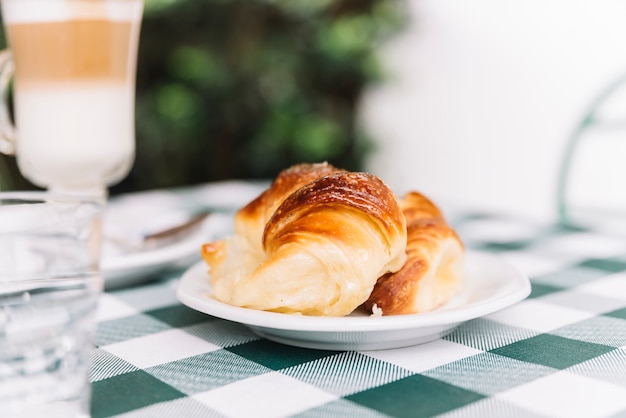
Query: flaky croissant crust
[250,220]
[359,192]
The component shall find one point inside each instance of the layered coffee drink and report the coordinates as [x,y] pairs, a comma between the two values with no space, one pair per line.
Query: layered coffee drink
[74,89]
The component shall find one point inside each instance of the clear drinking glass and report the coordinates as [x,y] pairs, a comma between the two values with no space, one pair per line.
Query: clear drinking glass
[49,288]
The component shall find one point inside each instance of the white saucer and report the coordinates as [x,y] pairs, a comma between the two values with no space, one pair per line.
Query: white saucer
[133,268]
[491,284]
[133,215]
[126,268]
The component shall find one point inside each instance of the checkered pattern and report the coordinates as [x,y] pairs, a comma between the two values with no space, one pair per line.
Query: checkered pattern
[559,353]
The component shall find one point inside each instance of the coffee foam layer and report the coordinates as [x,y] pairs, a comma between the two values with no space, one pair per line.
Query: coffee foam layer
[34,11]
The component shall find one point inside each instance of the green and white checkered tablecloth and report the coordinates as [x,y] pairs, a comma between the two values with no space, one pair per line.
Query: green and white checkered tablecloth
[559,353]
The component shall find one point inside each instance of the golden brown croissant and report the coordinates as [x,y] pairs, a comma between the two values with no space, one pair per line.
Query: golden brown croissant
[323,249]
[433,270]
[251,219]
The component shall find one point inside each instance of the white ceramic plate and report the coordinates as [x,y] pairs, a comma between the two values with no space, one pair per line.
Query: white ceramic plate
[491,284]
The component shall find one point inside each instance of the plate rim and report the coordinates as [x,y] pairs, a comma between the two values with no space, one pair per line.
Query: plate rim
[166,254]
[280,321]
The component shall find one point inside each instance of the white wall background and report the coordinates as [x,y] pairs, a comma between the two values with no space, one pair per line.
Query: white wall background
[484,95]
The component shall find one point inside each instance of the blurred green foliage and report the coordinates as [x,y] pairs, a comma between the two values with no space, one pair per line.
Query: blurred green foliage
[245,88]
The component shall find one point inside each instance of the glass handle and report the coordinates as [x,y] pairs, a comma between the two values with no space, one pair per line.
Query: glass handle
[7,129]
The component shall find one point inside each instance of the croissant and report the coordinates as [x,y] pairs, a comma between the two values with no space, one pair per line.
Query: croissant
[433,271]
[251,219]
[323,249]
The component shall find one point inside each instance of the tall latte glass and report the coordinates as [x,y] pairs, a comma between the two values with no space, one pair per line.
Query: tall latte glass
[74,64]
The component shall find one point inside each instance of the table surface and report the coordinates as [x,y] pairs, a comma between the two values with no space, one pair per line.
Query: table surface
[559,353]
